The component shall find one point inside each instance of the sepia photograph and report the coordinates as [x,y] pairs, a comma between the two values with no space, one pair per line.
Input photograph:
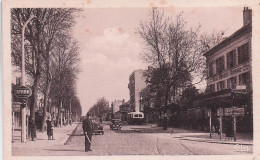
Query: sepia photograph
[113,81]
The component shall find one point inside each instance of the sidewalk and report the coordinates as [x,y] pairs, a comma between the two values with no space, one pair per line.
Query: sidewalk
[199,136]
[61,135]
[241,138]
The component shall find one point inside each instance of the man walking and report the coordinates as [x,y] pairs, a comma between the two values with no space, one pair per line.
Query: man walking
[88,131]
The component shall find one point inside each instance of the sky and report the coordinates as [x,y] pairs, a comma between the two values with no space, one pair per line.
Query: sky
[110,48]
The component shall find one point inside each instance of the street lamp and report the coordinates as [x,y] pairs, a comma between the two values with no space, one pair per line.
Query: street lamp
[23,109]
[23,61]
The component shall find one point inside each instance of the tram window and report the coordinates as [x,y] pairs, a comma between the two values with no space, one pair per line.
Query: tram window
[140,115]
[136,115]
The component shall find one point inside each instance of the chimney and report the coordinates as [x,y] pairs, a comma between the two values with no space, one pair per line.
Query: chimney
[247,16]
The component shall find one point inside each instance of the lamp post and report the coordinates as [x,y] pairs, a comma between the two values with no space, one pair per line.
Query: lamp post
[23,62]
[24,109]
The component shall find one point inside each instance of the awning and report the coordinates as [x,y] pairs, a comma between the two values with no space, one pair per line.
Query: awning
[224,98]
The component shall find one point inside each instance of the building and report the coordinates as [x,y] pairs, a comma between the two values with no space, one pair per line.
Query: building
[124,110]
[117,104]
[135,86]
[16,112]
[229,62]
[229,81]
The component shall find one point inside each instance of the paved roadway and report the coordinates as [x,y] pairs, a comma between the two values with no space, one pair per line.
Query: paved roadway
[141,140]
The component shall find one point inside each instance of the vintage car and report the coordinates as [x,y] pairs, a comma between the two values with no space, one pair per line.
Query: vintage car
[97,127]
[115,124]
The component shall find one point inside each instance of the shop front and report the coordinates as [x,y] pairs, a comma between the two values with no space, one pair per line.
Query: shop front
[227,111]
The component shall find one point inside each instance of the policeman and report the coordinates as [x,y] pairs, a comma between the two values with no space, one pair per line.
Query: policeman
[88,131]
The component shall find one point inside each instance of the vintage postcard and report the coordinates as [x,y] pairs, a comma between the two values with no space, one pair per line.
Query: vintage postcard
[131,79]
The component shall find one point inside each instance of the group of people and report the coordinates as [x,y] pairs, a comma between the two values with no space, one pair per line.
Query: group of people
[87,127]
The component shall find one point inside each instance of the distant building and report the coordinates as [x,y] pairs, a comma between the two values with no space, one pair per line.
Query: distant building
[116,105]
[124,110]
[229,81]
[135,86]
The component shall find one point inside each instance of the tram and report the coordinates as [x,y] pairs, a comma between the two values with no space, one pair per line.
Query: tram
[135,117]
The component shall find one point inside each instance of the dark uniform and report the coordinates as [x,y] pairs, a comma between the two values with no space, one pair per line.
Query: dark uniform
[88,132]
[49,129]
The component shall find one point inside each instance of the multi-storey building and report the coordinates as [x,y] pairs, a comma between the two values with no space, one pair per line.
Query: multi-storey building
[136,85]
[229,81]
[229,62]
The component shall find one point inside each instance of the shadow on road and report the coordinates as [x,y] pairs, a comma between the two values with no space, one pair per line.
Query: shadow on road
[64,150]
[154,130]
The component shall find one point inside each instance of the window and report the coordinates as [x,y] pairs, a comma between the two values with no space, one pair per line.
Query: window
[211,88]
[231,59]
[243,53]
[220,64]
[232,82]
[244,79]
[220,85]
[210,69]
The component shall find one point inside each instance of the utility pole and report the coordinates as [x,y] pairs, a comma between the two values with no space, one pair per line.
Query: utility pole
[24,108]
[210,123]
[70,113]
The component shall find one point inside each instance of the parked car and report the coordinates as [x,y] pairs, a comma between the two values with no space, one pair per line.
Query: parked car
[97,127]
[115,124]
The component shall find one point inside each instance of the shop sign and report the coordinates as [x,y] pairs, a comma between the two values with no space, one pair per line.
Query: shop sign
[22,92]
[234,111]
[243,68]
[228,111]
[240,91]
[16,106]
[220,112]
[241,87]
[239,112]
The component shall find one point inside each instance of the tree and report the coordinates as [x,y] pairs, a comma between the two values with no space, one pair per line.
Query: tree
[65,72]
[173,52]
[39,37]
[188,96]
[100,107]
[171,49]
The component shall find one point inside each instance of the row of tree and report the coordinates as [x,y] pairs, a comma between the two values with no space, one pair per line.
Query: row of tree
[51,56]
[100,108]
[174,54]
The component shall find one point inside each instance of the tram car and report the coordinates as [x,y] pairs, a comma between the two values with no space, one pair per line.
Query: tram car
[135,118]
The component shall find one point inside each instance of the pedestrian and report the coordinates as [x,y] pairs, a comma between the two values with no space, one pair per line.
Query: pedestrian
[49,128]
[165,123]
[88,132]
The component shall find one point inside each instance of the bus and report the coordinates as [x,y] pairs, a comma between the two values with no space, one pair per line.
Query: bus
[135,117]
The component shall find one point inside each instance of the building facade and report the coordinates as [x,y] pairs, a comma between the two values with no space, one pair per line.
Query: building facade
[229,82]
[135,86]
[229,62]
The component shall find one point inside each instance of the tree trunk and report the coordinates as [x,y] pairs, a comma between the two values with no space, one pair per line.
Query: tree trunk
[46,97]
[58,121]
[34,105]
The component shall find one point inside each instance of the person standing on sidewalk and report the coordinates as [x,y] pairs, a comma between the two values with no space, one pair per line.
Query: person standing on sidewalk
[49,129]
[88,131]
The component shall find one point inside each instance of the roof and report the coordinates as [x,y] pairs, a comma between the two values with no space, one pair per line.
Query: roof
[245,29]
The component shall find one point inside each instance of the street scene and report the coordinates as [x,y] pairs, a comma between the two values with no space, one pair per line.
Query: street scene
[137,140]
[163,81]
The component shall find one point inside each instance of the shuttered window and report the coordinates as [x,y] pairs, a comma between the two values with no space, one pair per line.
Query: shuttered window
[231,59]
[220,66]
[243,53]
